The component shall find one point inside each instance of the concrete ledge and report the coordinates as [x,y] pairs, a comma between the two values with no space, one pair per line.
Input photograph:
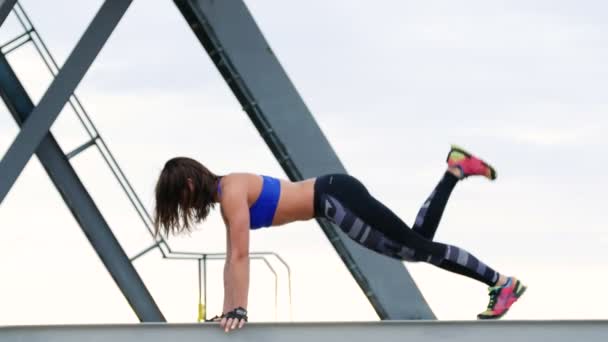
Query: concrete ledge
[414,331]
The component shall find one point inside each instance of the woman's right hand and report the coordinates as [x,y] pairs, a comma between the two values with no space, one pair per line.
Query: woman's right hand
[235,319]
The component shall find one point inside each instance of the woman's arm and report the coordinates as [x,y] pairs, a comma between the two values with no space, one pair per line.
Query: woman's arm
[236,270]
[227,290]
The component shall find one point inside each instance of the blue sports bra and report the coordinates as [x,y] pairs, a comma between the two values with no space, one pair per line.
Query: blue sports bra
[263,209]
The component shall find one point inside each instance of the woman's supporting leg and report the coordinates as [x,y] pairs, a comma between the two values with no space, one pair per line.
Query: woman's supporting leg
[430,213]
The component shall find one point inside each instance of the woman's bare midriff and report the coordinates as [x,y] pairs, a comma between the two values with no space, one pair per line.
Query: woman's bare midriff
[296,202]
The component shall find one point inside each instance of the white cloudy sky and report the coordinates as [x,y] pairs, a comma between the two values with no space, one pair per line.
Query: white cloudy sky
[522,83]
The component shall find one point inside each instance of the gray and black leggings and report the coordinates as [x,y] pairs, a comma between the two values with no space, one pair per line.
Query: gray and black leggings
[345,201]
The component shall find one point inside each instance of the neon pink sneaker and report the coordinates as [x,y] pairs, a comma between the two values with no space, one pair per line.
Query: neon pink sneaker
[469,164]
[501,299]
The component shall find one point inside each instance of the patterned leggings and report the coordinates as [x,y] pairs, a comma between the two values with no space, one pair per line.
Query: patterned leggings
[346,202]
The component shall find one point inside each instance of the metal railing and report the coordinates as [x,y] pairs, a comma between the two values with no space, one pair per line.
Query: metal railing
[30,34]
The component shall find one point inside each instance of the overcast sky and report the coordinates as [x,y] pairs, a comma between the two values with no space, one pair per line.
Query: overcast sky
[521,83]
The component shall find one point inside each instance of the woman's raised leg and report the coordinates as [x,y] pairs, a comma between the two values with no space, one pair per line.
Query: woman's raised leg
[461,164]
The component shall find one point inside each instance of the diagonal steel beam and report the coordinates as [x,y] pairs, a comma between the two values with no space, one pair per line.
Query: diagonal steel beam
[42,117]
[80,203]
[5,9]
[229,33]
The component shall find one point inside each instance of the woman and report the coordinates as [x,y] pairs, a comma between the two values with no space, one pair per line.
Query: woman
[186,192]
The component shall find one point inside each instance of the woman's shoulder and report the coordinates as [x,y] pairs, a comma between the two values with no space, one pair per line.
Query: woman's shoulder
[248,176]
[239,176]
[239,181]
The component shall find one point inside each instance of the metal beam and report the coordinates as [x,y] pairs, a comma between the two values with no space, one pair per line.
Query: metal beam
[427,331]
[238,48]
[42,117]
[80,203]
[6,6]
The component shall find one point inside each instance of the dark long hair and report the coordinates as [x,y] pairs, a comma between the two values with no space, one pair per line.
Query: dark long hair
[178,206]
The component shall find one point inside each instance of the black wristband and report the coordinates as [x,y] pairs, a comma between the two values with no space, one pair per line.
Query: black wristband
[238,313]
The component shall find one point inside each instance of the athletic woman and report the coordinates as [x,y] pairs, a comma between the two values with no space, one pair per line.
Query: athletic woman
[186,192]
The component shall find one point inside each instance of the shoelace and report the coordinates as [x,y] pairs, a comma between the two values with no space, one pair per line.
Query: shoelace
[494,292]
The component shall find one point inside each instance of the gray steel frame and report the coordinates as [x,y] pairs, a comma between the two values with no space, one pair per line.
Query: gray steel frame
[57,165]
[236,45]
[80,202]
[56,96]
[274,106]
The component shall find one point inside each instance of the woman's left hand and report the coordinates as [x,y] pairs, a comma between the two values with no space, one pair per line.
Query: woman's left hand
[234,319]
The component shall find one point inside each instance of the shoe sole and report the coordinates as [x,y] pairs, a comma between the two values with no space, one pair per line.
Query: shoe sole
[521,289]
[455,148]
